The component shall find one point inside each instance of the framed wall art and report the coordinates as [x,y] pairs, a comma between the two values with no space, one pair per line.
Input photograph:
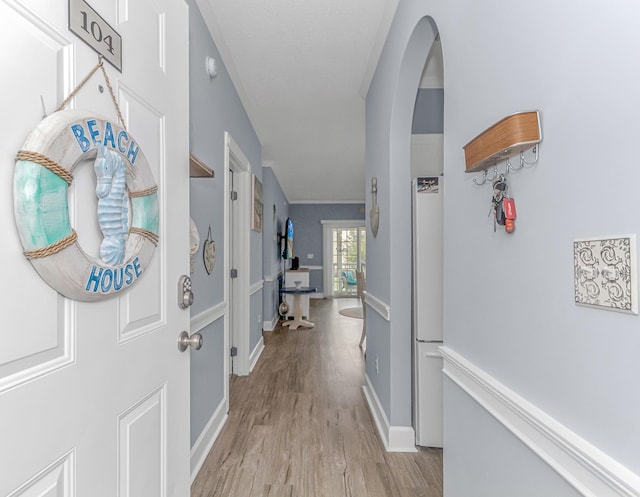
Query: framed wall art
[256,204]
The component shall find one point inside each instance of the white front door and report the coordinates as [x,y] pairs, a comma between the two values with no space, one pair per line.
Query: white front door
[94,397]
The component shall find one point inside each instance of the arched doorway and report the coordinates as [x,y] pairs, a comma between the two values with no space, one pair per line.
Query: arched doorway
[390,107]
[427,186]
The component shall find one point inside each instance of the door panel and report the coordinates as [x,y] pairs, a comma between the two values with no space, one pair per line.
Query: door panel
[49,346]
[54,481]
[141,311]
[93,395]
[142,447]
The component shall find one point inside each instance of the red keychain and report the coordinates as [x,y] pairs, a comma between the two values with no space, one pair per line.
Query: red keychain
[509,206]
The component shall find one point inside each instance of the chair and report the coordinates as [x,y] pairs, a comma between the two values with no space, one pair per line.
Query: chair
[348,279]
[360,285]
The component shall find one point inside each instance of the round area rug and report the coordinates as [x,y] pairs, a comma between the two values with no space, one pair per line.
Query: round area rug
[352,312]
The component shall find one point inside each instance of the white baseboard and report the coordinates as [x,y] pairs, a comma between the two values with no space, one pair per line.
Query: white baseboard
[394,438]
[255,354]
[270,325]
[205,441]
[585,467]
[316,295]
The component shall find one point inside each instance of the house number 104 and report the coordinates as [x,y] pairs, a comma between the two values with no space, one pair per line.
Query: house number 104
[96,32]
[91,28]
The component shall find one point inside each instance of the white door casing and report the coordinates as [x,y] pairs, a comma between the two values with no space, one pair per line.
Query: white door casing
[94,397]
[238,235]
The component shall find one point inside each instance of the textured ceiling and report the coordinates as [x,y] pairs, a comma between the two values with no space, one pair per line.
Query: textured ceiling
[302,68]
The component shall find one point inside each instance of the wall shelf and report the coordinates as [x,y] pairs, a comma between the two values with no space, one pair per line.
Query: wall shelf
[198,169]
[511,136]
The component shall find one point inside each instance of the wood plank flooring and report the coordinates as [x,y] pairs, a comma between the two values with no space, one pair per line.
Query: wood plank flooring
[299,425]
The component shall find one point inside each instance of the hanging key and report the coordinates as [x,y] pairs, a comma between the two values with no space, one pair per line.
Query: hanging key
[499,190]
[500,215]
[510,213]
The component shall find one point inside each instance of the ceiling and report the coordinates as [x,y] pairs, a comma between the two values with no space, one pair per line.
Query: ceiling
[302,69]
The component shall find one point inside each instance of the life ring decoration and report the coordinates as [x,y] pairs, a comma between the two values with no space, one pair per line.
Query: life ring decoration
[43,175]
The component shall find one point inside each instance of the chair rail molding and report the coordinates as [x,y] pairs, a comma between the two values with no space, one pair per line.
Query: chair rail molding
[273,277]
[256,287]
[585,467]
[377,305]
[206,317]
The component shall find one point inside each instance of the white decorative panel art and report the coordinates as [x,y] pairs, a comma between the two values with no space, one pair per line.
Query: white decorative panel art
[605,273]
[54,481]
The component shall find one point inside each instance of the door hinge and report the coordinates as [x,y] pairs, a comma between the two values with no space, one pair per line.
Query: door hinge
[234,273]
[234,351]
[234,195]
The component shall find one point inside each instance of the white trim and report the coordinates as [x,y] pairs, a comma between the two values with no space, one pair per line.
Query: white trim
[206,317]
[585,467]
[235,159]
[312,202]
[256,287]
[394,438]
[378,305]
[255,354]
[270,325]
[272,278]
[348,223]
[205,441]
[317,295]
[313,268]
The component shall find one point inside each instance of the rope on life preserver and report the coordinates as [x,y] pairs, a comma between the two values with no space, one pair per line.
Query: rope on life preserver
[54,248]
[149,235]
[45,161]
[144,193]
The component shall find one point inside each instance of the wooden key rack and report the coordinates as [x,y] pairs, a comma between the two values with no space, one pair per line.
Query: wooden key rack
[508,137]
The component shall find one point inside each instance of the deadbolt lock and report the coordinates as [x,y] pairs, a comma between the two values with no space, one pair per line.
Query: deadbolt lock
[185,295]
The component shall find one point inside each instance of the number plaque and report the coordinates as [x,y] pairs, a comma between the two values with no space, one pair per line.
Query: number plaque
[91,28]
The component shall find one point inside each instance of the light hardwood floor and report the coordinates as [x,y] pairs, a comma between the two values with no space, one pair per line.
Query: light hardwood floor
[299,425]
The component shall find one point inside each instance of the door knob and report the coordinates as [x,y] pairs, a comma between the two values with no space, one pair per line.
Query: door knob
[184,341]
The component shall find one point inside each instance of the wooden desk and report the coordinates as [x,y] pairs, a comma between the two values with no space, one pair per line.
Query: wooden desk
[297,293]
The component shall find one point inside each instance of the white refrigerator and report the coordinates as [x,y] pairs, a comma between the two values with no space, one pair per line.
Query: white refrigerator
[427,260]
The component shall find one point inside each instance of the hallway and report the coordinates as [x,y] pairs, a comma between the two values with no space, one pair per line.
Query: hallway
[299,426]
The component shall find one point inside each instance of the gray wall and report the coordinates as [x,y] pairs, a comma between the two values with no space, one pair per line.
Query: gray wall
[308,233]
[214,108]
[271,260]
[508,300]
[428,112]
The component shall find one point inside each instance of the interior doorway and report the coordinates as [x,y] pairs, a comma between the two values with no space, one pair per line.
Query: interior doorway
[237,257]
[427,166]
